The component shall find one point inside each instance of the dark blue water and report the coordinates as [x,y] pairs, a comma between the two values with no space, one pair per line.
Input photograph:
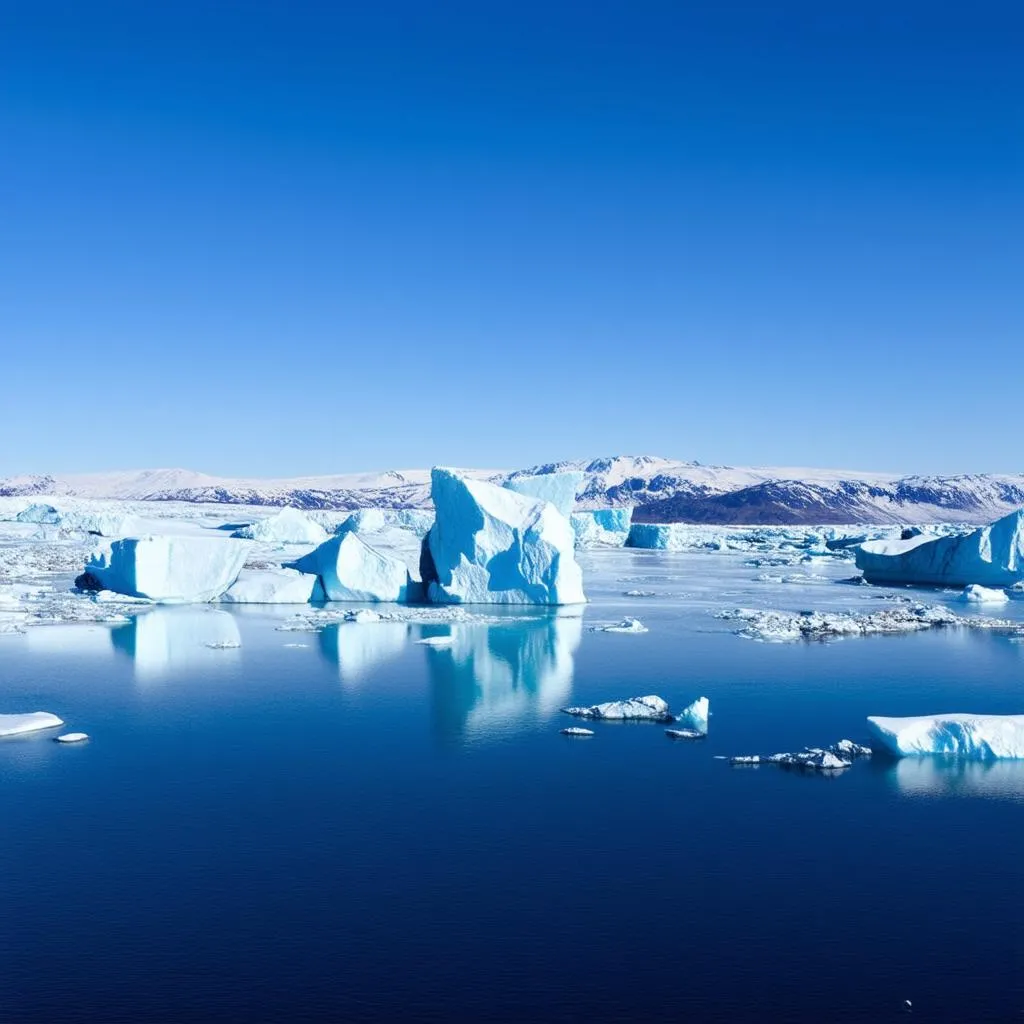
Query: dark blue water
[368,829]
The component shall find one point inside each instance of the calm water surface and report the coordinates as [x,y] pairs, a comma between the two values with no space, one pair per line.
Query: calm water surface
[363,828]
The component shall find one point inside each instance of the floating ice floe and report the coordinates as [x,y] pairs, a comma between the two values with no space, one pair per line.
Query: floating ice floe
[627,625]
[559,489]
[273,586]
[650,708]
[978,594]
[72,737]
[289,526]
[686,734]
[601,528]
[822,759]
[491,545]
[350,570]
[977,737]
[166,569]
[576,731]
[33,721]
[640,593]
[992,556]
[782,627]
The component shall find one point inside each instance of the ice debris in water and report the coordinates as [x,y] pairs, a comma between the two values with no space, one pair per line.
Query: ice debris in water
[823,759]
[977,594]
[977,737]
[72,737]
[223,645]
[32,721]
[576,731]
[437,641]
[627,625]
[650,708]
[640,593]
[781,627]
[686,734]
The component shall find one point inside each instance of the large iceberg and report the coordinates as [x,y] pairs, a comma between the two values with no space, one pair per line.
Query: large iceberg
[377,520]
[558,488]
[33,721]
[289,526]
[992,556]
[978,737]
[350,570]
[274,586]
[42,514]
[603,527]
[166,569]
[492,545]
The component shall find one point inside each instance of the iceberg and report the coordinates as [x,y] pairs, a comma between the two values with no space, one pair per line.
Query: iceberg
[976,737]
[274,586]
[45,515]
[166,569]
[822,759]
[377,520]
[627,625]
[33,721]
[978,594]
[659,536]
[576,731]
[350,570]
[289,526]
[992,556]
[557,488]
[650,708]
[491,545]
[72,737]
[603,527]
[685,734]
[695,716]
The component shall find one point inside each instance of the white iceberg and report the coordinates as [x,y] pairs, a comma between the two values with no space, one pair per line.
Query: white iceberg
[377,520]
[72,737]
[350,570]
[491,545]
[557,488]
[977,737]
[627,625]
[167,569]
[33,721]
[992,556]
[273,586]
[651,708]
[603,527]
[576,731]
[289,526]
[977,594]
[695,716]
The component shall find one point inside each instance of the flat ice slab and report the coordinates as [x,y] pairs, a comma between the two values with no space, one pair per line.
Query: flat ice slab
[978,737]
[33,721]
[978,594]
[72,737]
[686,734]
[576,731]
[289,526]
[627,625]
[650,708]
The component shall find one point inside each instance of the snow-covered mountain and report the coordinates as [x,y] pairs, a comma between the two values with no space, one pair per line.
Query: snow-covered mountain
[661,490]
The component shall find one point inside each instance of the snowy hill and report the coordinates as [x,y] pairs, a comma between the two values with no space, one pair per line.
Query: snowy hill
[662,490]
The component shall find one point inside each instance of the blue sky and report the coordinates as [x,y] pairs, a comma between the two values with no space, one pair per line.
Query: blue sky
[278,239]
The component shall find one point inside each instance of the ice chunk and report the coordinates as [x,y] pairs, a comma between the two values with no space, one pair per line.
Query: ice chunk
[978,737]
[289,526]
[650,708]
[437,641]
[992,556]
[350,570]
[603,527]
[273,586]
[557,488]
[377,520]
[627,625]
[33,721]
[166,569]
[575,731]
[823,759]
[72,737]
[695,716]
[686,734]
[978,594]
[45,515]
[491,545]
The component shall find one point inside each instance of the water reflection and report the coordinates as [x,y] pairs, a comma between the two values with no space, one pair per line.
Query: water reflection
[359,647]
[168,640]
[945,777]
[493,675]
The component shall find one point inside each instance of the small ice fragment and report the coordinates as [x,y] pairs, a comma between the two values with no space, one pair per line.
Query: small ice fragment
[72,737]
[685,734]
[362,615]
[437,641]
[223,645]
[627,625]
[573,731]
[745,759]
[977,594]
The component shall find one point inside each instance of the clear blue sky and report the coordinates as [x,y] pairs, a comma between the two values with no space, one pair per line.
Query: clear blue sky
[284,238]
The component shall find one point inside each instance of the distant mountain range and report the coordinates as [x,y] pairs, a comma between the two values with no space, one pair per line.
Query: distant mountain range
[660,490]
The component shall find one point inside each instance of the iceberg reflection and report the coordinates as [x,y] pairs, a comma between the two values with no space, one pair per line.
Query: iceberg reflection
[167,640]
[944,777]
[493,675]
[359,647]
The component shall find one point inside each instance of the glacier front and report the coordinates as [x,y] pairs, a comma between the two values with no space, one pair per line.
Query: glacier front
[166,569]
[491,545]
[976,737]
[992,556]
